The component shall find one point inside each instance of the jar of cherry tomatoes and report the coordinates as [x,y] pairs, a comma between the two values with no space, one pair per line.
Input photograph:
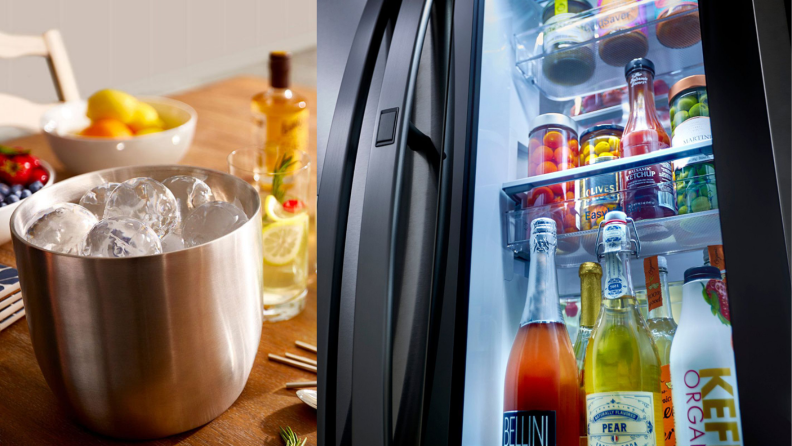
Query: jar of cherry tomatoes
[553,146]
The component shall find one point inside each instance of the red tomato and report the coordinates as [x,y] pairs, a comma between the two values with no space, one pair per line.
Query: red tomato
[541,196]
[293,206]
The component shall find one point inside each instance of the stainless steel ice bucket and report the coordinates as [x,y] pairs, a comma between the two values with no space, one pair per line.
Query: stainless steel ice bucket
[145,347]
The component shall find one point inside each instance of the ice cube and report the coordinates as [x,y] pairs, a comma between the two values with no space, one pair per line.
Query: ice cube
[190,192]
[120,237]
[60,228]
[146,200]
[95,199]
[211,221]
[173,241]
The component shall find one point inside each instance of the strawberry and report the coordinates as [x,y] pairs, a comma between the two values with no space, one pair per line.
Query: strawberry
[14,171]
[716,288]
[39,174]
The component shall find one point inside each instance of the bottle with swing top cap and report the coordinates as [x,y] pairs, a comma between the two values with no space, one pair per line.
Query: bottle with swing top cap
[622,365]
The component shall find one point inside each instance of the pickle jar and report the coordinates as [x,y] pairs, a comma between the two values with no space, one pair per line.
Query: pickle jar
[689,112]
[695,187]
[552,147]
[602,193]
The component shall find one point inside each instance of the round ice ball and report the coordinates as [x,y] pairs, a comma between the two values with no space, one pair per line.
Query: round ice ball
[146,200]
[95,199]
[190,192]
[211,221]
[60,228]
[120,237]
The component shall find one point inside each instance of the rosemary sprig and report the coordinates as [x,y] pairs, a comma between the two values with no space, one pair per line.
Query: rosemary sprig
[290,438]
[286,162]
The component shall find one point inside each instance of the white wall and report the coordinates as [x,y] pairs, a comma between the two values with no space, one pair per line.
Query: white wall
[152,46]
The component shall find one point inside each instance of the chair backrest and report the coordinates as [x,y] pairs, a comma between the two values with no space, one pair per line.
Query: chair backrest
[19,112]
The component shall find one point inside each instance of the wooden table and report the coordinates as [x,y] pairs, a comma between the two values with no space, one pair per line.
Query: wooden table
[29,413]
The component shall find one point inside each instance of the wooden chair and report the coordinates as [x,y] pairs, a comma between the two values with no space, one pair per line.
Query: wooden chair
[19,112]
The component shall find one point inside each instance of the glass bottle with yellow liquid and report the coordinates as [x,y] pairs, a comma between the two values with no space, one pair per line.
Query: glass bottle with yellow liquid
[590,300]
[280,114]
[622,380]
[661,327]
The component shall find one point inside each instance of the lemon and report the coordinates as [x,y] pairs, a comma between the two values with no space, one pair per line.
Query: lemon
[274,210]
[112,104]
[282,240]
[148,130]
[145,116]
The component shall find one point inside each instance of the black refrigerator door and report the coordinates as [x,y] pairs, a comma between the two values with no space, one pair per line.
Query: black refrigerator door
[378,203]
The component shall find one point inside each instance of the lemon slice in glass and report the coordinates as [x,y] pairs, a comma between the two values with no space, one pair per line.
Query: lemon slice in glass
[282,240]
[274,210]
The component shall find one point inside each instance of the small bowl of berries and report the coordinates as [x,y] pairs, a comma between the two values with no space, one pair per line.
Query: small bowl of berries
[21,175]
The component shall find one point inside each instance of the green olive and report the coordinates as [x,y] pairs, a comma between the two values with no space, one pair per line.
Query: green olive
[680,200]
[700,204]
[703,99]
[681,116]
[704,109]
[685,103]
[671,113]
[683,210]
[695,110]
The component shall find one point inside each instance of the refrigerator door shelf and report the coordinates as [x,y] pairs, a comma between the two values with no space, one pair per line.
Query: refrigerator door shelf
[661,236]
[582,40]
[513,189]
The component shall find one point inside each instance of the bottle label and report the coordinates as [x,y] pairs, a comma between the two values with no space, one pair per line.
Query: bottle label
[714,293]
[692,130]
[654,293]
[615,284]
[621,418]
[709,413]
[561,7]
[638,182]
[716,258]
[668,405]
[529,427]
[626,14]
[560,33]
[290,131]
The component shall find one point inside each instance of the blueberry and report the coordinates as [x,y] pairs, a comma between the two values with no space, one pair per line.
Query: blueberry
[4,189]
[34,186]
[25,193]
[16,189]
[11,199]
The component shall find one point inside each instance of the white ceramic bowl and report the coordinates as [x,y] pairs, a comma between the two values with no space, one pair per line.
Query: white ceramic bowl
[78,154]
[6,211]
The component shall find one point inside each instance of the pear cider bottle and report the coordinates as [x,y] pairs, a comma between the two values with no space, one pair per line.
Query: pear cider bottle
[622,365]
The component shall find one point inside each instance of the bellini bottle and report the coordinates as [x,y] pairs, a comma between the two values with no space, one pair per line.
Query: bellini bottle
[540,401]
[590,300]
[662,328]
[622,365]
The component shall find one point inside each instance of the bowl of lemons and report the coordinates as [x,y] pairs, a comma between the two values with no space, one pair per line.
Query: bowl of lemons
[115,129]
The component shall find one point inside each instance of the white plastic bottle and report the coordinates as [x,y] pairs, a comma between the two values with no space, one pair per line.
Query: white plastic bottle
[703,374]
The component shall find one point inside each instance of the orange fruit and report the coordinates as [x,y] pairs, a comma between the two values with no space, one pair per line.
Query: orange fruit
[107,128]
[540,196]
[533,143]
[573,145]
[570,195]
[553,139]
[562,155]
[541,154]
[547,167]
[558,189]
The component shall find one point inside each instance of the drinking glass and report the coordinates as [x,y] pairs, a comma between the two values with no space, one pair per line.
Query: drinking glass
[283,184]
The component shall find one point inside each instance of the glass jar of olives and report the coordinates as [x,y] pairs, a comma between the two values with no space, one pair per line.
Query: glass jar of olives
[600,144]
[689,111]
[695,187]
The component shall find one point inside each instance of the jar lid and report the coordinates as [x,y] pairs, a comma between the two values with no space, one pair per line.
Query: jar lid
[554,119]
[698,80]
[702,272]
[589,268]
[573,6]
[662,264]
[600,127]
[639,64]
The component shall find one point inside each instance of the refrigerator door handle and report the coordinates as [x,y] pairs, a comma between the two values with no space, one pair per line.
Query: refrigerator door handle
[372,403]
[334,191]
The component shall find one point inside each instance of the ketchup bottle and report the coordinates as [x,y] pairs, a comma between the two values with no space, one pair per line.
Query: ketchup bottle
[649,190]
